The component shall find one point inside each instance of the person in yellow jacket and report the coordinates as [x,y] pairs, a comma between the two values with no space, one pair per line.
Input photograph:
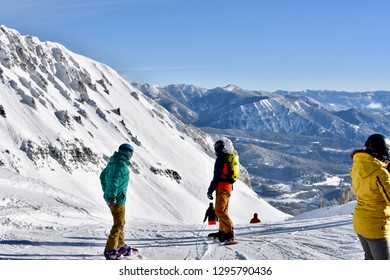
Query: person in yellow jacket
[371,184]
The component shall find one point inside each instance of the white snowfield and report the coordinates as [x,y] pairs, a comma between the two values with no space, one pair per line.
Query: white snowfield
[46,223]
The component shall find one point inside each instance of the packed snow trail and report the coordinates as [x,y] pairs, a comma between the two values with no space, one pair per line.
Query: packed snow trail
[328,238]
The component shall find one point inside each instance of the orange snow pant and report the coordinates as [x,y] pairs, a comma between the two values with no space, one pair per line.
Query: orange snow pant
[117,235]
[221,210]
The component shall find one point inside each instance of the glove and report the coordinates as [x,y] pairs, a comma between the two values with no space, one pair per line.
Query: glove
[210,196]
[112,202]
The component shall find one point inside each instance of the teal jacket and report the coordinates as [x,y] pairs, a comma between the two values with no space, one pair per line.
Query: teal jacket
[115,178]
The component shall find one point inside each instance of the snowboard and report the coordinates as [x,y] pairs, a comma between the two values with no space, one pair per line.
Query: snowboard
[134,251]
[214,236]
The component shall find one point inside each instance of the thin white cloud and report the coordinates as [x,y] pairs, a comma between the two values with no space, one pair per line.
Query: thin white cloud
[164,68]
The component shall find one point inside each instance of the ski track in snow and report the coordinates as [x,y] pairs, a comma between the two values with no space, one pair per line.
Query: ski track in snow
[312,239]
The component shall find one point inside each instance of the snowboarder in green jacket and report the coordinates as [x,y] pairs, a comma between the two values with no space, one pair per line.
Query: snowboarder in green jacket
[114,180]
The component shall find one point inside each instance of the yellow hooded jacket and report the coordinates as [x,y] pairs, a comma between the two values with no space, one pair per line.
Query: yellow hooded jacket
[371,184]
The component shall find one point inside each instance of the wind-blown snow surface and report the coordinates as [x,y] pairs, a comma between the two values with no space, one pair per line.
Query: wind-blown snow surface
[41,222]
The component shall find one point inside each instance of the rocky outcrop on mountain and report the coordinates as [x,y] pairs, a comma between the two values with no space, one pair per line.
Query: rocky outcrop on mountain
[55,82]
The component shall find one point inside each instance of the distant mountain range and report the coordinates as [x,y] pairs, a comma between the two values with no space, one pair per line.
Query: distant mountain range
[350,115]
[290,139]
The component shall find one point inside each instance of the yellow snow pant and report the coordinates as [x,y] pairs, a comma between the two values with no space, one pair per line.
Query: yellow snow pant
[221,210]
[117,235]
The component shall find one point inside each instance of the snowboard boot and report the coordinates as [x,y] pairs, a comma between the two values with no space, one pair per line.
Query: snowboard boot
[226,237]
[113,255]
[229,237]
[216,234]
[125,250]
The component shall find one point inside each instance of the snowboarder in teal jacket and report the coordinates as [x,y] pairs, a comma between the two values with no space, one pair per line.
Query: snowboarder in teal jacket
[114,180]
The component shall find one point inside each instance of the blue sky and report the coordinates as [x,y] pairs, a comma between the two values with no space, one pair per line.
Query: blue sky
[254,44]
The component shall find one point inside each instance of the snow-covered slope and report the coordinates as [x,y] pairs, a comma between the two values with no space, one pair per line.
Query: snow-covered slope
[39,222]
[62,117]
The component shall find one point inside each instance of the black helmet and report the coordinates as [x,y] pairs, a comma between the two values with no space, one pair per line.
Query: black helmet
[379,145]
[219,146]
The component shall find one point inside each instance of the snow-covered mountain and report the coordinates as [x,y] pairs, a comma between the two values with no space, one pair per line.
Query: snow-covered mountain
[309,113]
[292,143]
[341,100]
[63,115]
